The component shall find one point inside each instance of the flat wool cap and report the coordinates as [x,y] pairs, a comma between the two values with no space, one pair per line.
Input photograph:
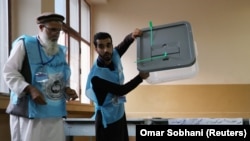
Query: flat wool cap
[49,16]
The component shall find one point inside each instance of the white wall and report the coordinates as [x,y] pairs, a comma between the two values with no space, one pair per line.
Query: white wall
[220,28]
[24,13]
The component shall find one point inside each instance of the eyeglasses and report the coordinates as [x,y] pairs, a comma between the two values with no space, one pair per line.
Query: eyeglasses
[53,30]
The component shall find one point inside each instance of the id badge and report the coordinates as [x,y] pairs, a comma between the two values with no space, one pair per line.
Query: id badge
[118,100]
[41,75]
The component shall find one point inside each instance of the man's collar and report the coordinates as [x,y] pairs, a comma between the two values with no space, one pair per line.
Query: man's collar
[101,63]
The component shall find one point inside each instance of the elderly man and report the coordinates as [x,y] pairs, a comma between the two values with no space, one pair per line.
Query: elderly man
[38,75]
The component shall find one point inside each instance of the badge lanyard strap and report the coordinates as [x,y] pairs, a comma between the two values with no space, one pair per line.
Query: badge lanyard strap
[39,46]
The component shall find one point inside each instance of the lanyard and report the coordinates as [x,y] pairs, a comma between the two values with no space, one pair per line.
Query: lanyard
[39,49]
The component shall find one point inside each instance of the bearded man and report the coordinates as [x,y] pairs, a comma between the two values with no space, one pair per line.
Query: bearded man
[107,89]
[37,75]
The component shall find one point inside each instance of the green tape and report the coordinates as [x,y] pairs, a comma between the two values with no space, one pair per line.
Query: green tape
[164,55]
[151,32]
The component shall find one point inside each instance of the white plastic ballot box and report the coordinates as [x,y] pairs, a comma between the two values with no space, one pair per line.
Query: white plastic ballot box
[168,52]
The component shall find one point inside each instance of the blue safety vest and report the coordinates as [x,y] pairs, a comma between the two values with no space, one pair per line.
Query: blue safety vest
[113,106]
[56,71]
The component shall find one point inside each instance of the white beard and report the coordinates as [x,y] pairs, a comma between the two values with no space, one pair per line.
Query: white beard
[50,47]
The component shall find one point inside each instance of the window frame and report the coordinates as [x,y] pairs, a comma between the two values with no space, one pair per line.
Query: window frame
[70,32]
[6,24]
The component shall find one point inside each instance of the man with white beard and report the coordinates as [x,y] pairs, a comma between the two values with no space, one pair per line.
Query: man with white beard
[37,75]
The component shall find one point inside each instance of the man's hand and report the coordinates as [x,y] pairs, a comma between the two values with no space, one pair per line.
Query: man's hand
[144,75]
[137,33]
[36,95]
[71,94]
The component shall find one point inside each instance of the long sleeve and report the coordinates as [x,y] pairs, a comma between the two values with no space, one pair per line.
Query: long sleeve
[11,70]
[114,88]
[102,87]
[125,44]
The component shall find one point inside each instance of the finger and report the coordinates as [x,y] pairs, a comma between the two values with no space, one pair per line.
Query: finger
[40,101]
[74,97]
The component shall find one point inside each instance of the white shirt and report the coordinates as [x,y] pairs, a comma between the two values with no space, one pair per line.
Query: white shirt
[11,70]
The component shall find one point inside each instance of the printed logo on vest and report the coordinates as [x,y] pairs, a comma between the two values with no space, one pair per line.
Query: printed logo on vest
[54,87]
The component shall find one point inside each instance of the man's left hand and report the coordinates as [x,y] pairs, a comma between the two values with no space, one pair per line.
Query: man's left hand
[71,94]
[137,32]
